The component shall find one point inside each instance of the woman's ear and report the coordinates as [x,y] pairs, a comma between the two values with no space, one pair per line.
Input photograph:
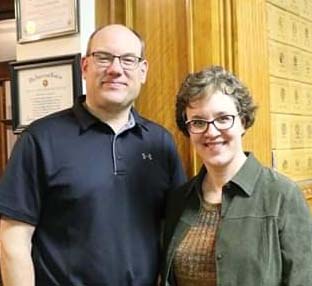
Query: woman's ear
[243,124]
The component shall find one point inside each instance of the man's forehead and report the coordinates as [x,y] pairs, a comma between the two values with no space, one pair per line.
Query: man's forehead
[117,37]
[117,42]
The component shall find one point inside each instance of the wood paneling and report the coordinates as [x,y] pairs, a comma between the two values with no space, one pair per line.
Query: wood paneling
[4,75]
[3,145]
[110,11]
[186,35]
[220,36]
[4,71]
[208,30]
[163,26]
[306,187]
[251,65]
[208,33]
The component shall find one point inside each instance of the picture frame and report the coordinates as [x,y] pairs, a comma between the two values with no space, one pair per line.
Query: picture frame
[44,86]
[42,19]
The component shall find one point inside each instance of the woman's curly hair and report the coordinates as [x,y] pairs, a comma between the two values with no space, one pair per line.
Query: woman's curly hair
[208,81]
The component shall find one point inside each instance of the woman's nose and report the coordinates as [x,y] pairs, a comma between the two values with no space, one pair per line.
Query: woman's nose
[211,131]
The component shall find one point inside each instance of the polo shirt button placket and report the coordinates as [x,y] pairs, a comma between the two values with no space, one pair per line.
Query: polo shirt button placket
[219,256]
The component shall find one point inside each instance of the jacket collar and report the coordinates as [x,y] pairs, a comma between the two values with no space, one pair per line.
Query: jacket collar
[244,180]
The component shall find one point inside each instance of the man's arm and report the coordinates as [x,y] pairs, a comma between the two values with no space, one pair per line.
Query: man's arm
[16,262]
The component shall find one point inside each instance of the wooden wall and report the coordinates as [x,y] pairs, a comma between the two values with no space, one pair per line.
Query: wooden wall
[4,75]
[186,35]
[250,56]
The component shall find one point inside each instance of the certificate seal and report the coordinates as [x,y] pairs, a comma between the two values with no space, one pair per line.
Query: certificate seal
[30,27]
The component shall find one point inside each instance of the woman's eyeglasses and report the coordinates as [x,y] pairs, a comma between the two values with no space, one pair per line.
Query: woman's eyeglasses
[221,123]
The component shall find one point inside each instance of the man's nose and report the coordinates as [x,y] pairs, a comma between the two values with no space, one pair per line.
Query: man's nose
[115,66]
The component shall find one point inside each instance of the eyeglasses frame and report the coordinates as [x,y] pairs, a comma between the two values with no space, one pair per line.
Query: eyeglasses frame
[211,122]
[93,54]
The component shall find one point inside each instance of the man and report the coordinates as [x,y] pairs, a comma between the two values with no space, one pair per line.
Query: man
[83,195]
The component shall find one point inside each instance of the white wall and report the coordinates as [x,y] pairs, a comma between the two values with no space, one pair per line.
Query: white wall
[7,40]
[64,45]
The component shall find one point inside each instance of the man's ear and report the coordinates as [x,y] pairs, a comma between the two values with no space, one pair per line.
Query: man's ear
[143,71]
[83,66]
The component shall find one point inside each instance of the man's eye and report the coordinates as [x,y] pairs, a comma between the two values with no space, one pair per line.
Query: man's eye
[104,59]
[128,60]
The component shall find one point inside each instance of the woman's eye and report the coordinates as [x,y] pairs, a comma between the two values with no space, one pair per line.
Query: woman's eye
[199,123]
[222,119]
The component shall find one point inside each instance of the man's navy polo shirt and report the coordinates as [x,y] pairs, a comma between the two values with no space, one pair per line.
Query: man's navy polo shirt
[96,199]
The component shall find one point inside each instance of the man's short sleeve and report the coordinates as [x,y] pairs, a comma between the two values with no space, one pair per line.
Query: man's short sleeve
[21,184]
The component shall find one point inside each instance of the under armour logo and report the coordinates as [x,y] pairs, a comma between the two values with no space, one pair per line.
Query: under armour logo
[147,156]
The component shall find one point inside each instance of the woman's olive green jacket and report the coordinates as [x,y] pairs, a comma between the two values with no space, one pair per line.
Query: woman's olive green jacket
[265,234]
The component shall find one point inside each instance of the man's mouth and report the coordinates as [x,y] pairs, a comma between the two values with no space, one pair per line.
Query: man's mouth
[114,84]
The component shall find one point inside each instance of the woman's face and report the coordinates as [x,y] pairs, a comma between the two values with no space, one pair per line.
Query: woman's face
[218,149]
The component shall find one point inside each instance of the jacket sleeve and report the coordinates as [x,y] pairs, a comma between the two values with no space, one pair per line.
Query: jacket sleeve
[296,239]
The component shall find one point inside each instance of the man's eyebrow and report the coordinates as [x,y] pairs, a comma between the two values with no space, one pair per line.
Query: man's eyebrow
[108,53]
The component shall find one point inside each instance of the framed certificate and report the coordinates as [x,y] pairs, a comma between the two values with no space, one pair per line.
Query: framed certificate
[41,19]
[41,87]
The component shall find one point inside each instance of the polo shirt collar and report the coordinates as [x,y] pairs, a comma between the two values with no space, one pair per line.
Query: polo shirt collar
[138,119]
[86,119]
[245,179]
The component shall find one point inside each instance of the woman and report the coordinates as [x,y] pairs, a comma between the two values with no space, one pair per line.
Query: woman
[237,222]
